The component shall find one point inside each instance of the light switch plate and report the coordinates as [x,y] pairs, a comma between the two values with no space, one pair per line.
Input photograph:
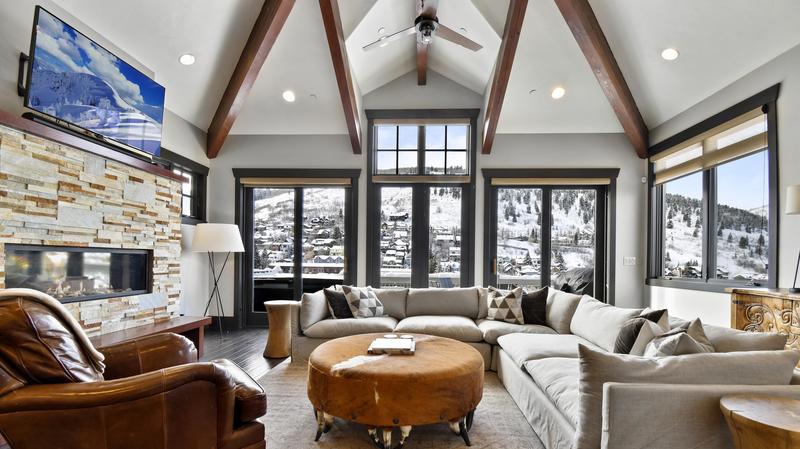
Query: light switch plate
[629,261]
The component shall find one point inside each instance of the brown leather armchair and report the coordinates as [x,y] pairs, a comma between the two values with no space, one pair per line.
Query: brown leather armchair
[150,395]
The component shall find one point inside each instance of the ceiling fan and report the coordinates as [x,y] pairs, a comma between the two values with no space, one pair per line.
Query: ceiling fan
[426,27]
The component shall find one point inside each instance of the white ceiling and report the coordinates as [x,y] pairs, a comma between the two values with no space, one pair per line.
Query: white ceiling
[719,42]
[548,56]
[299,61]
[157,32]
[379,66]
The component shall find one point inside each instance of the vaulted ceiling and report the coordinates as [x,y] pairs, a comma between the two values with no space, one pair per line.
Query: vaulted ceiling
[719,41]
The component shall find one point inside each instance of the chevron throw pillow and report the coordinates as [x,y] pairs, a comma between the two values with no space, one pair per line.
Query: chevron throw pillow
[506,306]
[363,302]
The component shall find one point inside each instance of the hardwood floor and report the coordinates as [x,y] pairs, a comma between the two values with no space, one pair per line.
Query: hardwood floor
[244,347]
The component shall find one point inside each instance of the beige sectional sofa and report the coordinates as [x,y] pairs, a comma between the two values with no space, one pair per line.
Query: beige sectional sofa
[540,366]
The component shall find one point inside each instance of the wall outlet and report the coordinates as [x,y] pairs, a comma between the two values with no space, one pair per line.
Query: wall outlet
[629,261]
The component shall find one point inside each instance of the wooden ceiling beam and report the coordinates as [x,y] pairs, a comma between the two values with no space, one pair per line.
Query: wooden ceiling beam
[422,64]
[502,70]
[262,37]
[341,67]
[581,20]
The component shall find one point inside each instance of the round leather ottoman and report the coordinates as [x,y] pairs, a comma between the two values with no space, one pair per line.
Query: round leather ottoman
[441,382]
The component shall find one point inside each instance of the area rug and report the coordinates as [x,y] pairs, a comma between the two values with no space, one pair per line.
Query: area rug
[290,422]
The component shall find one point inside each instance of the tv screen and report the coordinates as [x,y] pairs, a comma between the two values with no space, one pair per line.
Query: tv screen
[72,78]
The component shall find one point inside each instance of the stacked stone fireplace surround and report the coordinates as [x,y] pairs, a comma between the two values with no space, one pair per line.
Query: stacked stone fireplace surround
[56,195]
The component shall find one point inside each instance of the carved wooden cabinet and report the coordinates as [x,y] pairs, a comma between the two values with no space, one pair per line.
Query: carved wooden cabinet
[767,310]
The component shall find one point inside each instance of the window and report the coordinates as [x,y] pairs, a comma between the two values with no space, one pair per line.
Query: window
[549,231]
[299,229]
[714,201]
[420,198]
[193,187]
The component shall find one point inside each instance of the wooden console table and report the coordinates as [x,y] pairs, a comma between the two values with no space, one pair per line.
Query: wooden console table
[191,327]
[767,310]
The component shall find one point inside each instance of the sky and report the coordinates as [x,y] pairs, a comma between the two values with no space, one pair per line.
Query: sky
[71,51]
[742,183]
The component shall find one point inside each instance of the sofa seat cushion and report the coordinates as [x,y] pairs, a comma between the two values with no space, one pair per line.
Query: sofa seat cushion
[455,327]
[332,328]
[558,378]
[492,329]
[524,347]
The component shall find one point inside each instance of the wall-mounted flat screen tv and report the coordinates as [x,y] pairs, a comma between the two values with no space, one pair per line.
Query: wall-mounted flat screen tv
[73,79]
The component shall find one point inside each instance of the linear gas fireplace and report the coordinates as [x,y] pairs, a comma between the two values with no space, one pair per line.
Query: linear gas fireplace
[72,274]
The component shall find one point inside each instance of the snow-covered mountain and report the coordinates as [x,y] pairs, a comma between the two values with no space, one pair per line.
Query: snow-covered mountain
[88,101]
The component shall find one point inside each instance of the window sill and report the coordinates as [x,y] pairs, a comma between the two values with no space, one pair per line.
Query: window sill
[713,286]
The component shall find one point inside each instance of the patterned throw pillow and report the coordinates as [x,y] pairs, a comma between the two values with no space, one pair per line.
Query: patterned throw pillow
[689,338]
[637,332]
[506,307]
[337,303]
[363,302]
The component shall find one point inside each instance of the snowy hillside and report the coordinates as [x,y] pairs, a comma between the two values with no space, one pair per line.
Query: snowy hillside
[742,240]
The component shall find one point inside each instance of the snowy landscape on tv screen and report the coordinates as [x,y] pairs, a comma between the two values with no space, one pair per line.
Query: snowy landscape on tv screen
[75,80]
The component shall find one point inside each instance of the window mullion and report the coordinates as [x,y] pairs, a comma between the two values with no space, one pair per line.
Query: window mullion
[298,242]
[547,226]
[710,224]
[421,150]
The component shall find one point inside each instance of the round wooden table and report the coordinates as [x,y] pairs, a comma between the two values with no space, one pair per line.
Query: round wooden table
[761,422]
[441,382]
[279,338]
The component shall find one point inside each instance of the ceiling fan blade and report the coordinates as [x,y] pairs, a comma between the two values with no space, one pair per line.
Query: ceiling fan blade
[457,38]
[386,40]
[427,8]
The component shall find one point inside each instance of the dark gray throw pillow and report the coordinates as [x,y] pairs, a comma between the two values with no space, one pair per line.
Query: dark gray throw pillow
[637,332]
[534,307]
[337,303]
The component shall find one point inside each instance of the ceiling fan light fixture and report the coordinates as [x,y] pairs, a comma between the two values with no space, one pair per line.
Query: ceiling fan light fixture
[558,92]
[187,59]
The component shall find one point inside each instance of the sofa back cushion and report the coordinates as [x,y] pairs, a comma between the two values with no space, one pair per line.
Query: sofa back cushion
[598,368]
[443,301]
[725,339]
[560,309]
[599,322]
[394,301]
[313,308]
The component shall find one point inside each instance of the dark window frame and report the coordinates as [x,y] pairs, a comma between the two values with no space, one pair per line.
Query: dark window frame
[605,248]
[420,203]
[243,262]
[767,100]
[199,173]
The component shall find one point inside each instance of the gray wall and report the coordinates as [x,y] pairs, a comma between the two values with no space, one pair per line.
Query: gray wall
[510,151]
[785,69]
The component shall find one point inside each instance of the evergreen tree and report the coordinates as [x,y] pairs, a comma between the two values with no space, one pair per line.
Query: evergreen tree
[695,233]
[761,240]
[730,238]
[575,238]
[433,264]
[670,225]
[743,242]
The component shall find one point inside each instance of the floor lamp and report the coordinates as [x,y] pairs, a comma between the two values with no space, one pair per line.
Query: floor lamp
[214,238]
[793,208]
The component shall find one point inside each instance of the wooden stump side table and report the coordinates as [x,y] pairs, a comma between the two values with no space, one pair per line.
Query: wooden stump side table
[279,338]
[761,422]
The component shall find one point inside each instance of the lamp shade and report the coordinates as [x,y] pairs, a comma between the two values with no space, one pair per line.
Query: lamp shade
[793,200]
[217,238]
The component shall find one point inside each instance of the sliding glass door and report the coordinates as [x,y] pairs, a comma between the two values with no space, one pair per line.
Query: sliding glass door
[297,240]
[548,236]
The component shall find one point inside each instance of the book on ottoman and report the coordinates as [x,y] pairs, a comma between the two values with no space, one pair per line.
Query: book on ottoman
[392,346]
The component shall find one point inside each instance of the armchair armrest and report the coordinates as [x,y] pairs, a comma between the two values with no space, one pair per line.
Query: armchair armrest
[250,398]
[662,416]
[147,354]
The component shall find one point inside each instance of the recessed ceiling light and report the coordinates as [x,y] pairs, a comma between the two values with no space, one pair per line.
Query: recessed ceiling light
[463,30]
[186,59]
[381,30]
[313,96]
[558,92]
[288,96]
[532,91]
[669,54]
